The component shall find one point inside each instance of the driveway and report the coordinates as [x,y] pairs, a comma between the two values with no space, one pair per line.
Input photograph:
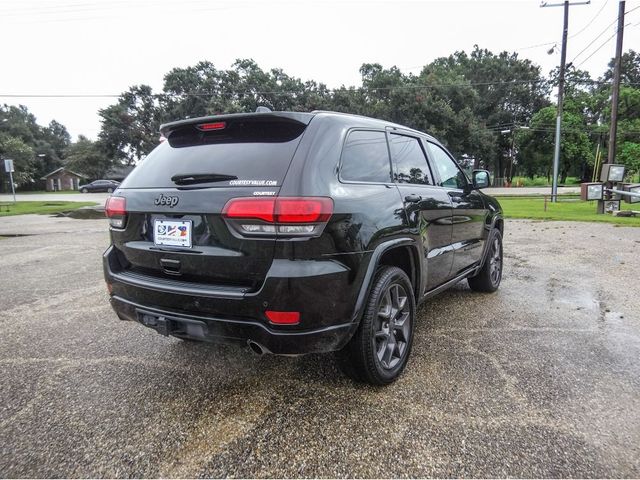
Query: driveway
[540,379]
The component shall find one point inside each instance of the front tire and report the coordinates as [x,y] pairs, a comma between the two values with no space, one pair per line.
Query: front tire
[488,278]
[84,190]
[378,352]
[109,190]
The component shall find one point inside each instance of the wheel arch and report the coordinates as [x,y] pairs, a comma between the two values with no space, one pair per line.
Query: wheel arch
[497,223]
[403,250]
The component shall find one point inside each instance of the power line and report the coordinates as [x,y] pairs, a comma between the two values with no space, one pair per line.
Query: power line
[534,46]
[600,35]
[303,92]
[597,49]
[590,21]
[593,41]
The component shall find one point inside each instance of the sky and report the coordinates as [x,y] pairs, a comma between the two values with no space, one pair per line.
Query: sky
[101,47]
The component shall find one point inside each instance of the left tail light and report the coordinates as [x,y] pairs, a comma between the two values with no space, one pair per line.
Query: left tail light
[116,211]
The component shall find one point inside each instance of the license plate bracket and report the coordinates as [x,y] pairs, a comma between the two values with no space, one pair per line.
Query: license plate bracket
[173,233]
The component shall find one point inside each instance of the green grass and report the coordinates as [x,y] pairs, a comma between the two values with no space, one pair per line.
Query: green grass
[22,208]
[541,181]
[566,209]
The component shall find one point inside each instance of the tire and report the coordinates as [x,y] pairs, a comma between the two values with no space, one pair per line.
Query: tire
[488,278]
[84,190]
[370,357]
[109,190]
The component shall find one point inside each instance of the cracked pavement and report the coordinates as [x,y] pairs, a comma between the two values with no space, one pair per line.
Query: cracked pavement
[540,379]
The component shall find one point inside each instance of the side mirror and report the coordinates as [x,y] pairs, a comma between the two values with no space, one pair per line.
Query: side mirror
[480,179]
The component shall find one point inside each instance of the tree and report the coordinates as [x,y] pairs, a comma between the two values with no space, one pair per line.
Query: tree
[57,137]
[130,127]
[629,68]
[463,100]
[23,160]
[629,154]
[88,158]
[537,144]
[48,143]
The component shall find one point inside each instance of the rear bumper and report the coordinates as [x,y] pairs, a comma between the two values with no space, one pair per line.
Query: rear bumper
[322,291]
[220,330]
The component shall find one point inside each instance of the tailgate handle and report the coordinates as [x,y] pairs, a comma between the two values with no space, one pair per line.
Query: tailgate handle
[170,266]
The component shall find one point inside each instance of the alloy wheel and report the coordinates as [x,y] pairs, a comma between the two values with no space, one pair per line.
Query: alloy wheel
[495,262]
[393,327]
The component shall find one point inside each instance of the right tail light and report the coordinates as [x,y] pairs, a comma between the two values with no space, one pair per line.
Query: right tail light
[279,216]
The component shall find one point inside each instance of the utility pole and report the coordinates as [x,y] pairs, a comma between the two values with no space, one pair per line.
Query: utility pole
[616,86]
[563,61]
[615,93]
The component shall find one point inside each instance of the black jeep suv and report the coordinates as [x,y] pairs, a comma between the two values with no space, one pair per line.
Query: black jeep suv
[296,233]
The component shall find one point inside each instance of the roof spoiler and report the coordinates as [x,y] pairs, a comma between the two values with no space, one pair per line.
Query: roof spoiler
[299,117]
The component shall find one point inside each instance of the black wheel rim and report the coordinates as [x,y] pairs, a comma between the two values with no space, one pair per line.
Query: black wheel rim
[495,262]
[393,327]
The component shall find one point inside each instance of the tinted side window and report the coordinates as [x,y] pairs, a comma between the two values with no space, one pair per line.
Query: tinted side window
[411,164]
[365,157]
[450,174]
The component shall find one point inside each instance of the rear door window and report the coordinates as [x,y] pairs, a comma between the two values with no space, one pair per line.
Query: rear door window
[365,157]
[410,160]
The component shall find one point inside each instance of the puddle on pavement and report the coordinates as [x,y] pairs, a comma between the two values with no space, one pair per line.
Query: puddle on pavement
[81,214]
[14,235]
[576,296]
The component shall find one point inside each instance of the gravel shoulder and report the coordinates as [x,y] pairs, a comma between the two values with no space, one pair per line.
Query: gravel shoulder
[540,379]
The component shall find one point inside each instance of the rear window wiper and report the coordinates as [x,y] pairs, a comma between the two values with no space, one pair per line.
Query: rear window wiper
[194,178]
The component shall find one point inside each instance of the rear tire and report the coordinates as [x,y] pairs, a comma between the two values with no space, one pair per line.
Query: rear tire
[378,351]
[109,190]
[488,278]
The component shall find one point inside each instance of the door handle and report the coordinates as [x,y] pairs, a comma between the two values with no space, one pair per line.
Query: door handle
[413,198]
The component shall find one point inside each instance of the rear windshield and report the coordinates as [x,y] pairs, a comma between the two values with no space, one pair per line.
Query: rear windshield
[243,154]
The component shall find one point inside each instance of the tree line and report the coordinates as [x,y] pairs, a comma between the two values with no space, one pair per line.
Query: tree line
[493,111]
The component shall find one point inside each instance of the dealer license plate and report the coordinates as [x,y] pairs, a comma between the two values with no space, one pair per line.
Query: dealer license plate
[172,233]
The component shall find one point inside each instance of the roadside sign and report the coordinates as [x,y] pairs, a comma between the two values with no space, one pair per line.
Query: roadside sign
[8,166]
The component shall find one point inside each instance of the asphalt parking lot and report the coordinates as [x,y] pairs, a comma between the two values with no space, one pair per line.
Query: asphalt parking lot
[541,379]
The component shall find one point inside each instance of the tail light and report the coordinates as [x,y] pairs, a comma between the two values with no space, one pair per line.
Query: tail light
[116,211]
[279,216]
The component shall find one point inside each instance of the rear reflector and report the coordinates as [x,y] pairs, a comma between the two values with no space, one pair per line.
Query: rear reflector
[283,318]
[212,126]
[115,206]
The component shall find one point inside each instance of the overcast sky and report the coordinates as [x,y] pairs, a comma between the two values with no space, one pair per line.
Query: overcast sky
[105,46]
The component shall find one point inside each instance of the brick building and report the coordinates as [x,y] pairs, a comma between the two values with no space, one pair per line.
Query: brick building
[63,179]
